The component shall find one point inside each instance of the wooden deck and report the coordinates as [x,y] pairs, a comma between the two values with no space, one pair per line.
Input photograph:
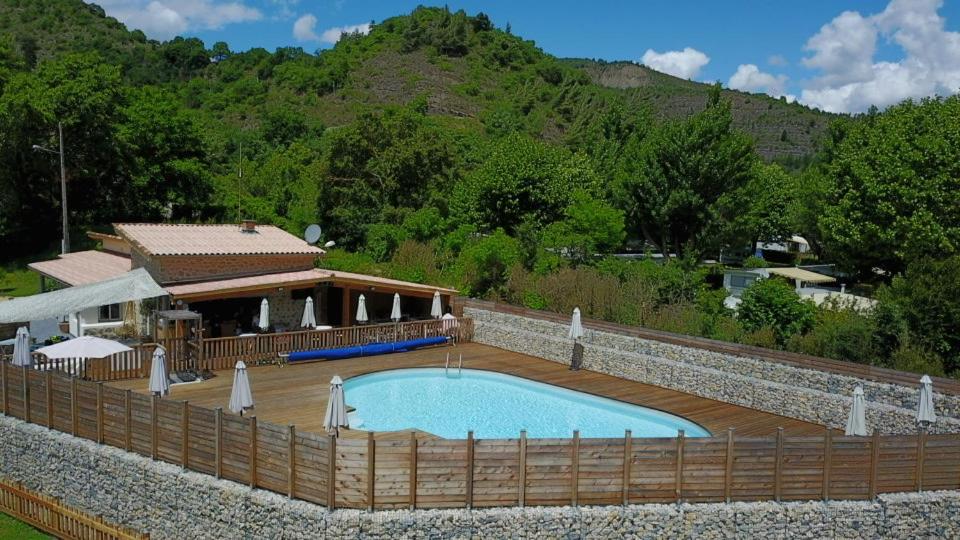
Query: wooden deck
[297,394]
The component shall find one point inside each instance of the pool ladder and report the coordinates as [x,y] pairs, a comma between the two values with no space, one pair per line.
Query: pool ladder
[446,367]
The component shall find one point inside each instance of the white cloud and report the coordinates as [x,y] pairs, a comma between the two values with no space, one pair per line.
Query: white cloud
[852,79]
[685,64]
[749,78]
[164,19]
[305,28]
[332,35]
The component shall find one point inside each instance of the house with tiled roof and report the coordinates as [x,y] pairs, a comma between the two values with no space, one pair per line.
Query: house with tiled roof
[223,272]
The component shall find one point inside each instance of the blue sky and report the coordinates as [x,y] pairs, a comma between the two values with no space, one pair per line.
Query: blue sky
[840,56]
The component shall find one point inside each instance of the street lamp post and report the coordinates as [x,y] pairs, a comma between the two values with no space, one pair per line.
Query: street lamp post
[65,244]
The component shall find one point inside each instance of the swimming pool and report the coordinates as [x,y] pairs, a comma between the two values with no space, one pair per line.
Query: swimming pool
[496,405]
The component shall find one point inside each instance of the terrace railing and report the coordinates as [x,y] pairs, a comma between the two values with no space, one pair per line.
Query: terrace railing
[411,473]
[223,353]
[127,365]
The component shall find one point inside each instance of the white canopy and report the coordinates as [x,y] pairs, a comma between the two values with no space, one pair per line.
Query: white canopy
[336,415]
[309,319]
[857,421]
[159,383]
[84,347]
[395,311]
[436,309]
[133,285]
[240,397]
[576,328]
[21,348]
[925,410]
[264,322]
[362,310]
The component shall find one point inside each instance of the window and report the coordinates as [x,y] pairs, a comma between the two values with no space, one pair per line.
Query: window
[110,312]
[741,282]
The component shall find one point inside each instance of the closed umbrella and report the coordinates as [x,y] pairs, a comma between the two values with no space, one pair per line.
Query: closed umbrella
[925,413]
[264,315]
[436,309]
[336,416]
[395,312]
[308,320]
[362,310]
[240,397]
[159,383]
[21,348]
[857,421]
[576,328]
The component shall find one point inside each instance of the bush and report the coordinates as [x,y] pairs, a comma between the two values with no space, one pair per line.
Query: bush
[841,333]
[483,264]
[772,303]
[917,360]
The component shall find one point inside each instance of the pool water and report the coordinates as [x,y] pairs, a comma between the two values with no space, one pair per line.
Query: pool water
[496,406]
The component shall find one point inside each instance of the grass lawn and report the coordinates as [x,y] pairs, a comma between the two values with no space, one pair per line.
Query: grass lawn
[11,529]
[18,281]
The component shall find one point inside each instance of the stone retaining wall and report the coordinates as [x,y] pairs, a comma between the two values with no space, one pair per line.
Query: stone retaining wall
[167,502]
[804,394]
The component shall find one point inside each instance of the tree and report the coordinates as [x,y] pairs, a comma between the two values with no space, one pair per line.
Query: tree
[896,192]
[760,209]
[484,262]
[674,179]
[772,303]
[220,51]
[589,227]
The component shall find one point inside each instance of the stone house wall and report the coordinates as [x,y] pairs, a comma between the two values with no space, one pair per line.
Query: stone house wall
[173,269]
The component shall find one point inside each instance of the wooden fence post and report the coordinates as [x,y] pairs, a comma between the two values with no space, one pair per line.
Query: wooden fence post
[48,383]
[26,394]
[413,470]
[253,451]
[575,469]
[292,461]
[827,462]
[184,434]
[728,474]
[99,413]
[921,457]
[371,468]
[332,474]
[778,467]
[469,472]
[154,435]
[127,420]
[522,470]
[6,393]
[874,462]
[73,407]
[679,473]
[218,442]
[627,460]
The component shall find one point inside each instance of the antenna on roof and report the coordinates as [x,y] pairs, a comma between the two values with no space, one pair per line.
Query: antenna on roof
[312,234]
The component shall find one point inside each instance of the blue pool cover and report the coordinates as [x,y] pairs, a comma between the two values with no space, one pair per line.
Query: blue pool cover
[371,349]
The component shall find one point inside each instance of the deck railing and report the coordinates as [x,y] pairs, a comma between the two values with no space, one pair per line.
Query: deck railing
[471,472]
[223,353]
[51,515]
[126,365]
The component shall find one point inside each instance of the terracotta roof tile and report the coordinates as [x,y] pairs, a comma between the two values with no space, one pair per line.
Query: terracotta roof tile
[177,239]
[83,267]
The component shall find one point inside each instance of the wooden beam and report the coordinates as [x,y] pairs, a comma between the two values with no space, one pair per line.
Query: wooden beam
[469,471]
[345,308]
[6,392]
[522,470]
[627,460]
[48,384]
[827,462]
[154,428]
[127,420]
[679,472]
[575,469]
[371,469]
[292,460]
[332,474]
[100,413]
[413,470]
[252,456]
[184,434]
[728,475]
[921,457]
[218,442]
[25,382]
[74,420]
[874,462]
[778,467]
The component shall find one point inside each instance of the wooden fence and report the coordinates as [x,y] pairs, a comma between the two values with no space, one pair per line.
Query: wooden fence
[852,369]
[223,353]
[369,473]
[50,515]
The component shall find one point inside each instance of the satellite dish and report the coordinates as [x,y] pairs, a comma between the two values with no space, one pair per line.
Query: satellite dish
[312,234]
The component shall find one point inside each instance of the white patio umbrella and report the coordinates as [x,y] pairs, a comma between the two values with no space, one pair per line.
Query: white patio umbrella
[240,397]
[264,315]
[21,348]
[925,411]
[336,415]
[436,309]
[362,310]
[857,421]
[84,347]
[309,319]
[159,383]
[395,312]
[576,328]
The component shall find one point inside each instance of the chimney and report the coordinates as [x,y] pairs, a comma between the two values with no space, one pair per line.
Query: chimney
[248,226]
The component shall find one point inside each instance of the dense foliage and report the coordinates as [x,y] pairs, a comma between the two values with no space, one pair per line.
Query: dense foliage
[441,149]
